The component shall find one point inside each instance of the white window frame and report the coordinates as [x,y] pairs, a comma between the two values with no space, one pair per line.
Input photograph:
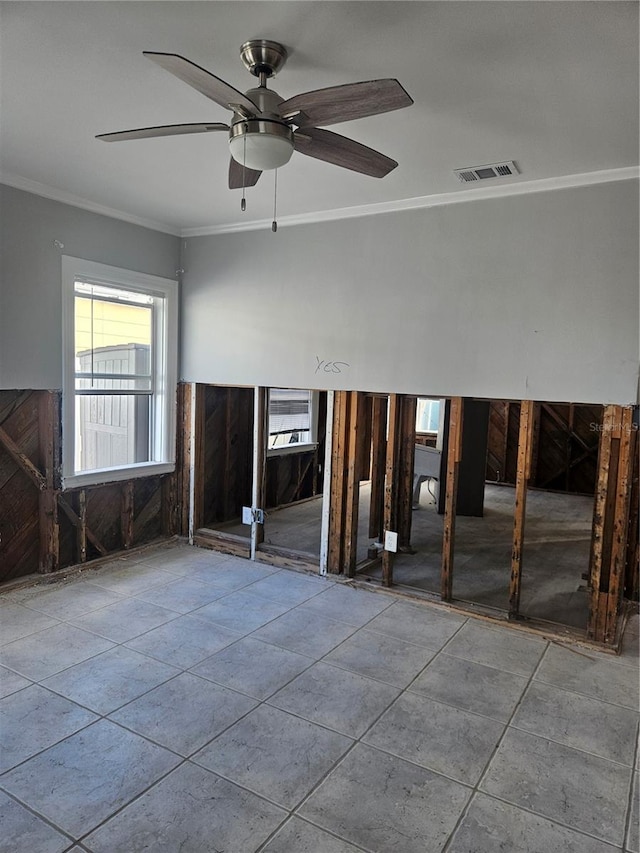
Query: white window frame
[165,367]
[300,446]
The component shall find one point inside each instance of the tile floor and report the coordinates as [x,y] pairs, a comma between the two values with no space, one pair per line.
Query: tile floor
[185,701]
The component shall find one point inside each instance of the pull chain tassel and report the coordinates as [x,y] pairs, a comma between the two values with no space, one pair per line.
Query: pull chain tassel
[243,203]
[274,224]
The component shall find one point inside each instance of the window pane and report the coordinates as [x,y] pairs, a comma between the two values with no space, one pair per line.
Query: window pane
[111,430]
[289,417]
[427,415]
[113,336]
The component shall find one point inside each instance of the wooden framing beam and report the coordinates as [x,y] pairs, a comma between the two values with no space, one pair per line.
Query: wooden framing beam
[22,460]
[406,460]
[357,411]
[609,551]
[596,624]
[391,482]
[183,458]
[81,528]
[126,514]
[523,474]
[378,462]
[49,433]
[258,492]
[76,521]
[454,457]
[620,524]
[197,467]
[338,480]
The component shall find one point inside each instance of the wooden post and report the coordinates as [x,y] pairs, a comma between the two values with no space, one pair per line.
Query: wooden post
[620,524]
[49,432]
[391,482]
[183,458]
[356,406]
[326,485]
[126,514]
[595,626]
[338,480]
[454,456]
[260,417]
[407,445]
[81,528]
[378,454]
[197,457]
[523,473]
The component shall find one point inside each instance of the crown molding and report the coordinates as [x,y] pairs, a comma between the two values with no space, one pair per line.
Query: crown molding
[55,194]
[476,193]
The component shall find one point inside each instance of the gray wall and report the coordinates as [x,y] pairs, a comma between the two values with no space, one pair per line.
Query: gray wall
[525,297]
[30,270]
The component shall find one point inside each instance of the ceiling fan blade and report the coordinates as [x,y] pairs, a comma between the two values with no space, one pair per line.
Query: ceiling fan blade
[345,103]
[336,149]
[205,82]
[240,176]
[162,130]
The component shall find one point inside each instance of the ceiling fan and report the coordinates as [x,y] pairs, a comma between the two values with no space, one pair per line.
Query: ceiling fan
[262,134]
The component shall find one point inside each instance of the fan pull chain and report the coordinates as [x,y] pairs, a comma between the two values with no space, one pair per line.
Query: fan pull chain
[274,224]
[243,203]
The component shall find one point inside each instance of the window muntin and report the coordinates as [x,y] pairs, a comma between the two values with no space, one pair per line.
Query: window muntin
[120,373]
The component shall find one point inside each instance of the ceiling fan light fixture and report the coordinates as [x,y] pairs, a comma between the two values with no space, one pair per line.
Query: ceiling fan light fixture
[261,145]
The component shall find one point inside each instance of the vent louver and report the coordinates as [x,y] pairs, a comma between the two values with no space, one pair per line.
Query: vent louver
[469,174]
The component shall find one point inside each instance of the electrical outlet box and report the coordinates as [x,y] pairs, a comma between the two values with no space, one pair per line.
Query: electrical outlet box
[258,516]
[247,515]
[390,540]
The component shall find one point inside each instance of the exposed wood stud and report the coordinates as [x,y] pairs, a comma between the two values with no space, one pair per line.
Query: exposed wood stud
[338,479]
[48,433]
[74,519]
[198,420]
[183,457]
[126,515]
[378,461]
[391,482]
[599,519]
[523,474]
[260,436]
[356,406]
[622,492]
[454,456]
[81,528]
[407,443]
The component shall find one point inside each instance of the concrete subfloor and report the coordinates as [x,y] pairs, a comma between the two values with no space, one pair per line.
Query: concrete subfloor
[556,553]
[183,700]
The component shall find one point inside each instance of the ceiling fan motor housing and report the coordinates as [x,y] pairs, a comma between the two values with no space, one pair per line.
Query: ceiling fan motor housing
[264,142]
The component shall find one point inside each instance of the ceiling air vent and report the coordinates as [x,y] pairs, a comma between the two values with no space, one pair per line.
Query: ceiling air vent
[482,173]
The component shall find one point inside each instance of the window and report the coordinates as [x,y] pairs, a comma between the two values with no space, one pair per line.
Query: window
[120,331]
[292,419]
[427,415]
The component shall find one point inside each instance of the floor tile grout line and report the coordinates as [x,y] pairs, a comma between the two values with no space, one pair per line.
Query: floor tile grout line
[629,809]
[312,661]
[306,820]
[584,695]
[482,776]
[38,814]
[514,805]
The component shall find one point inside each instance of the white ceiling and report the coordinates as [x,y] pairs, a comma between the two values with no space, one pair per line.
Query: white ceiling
[551,85]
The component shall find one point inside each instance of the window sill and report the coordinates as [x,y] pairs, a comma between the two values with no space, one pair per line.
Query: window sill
[299,447]
[117,475]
